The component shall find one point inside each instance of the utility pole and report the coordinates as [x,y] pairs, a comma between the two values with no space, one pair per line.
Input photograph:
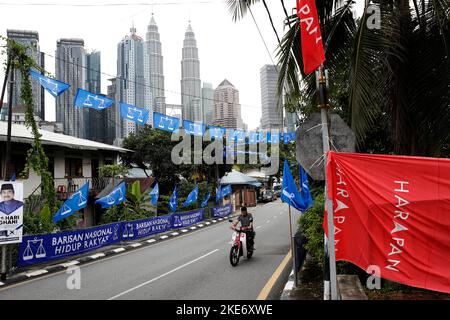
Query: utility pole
[330,283]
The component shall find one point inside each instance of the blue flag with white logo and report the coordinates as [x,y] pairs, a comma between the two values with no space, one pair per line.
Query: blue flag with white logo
[217,132]
[133,113]
[166,123]
[173,200]
[54,87]
[225,191]
[86,99]
[194,128]
[289,191]
[305,192]
[192,197]
[115,197]
[154,194]
[236,135]
[288,137]
[205,200]
[77,201]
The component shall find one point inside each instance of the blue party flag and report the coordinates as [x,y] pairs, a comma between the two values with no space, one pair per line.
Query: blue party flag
[86,99]
[115,197]
[133,113]
[173,200]
[76,202]
[205,200]
[194,128]
[289,191]
[166,123]
[217,132]
[192,197]
[225,191]
[54,87]
[305,192]
[154,194]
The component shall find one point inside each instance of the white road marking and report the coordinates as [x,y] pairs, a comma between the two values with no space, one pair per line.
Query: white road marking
[163,275]
[258,227]
[184,230]
[98,255]
[220,219]
[163,237]
[201,225]
[1,283]
[70,263]
[174,234]
[208,223]
[36,273]
[193,228]
[151,241]
[275,217]
[267,221]
[119,250]
[214,221]
[135,245]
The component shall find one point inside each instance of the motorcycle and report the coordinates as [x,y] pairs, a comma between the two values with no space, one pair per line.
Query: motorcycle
[239,247]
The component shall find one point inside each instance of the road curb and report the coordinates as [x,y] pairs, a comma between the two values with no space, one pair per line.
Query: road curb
[99,255]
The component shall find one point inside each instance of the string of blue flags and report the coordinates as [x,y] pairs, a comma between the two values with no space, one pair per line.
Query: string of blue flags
[86,99]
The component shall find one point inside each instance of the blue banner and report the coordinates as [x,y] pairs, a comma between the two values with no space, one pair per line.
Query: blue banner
[217,132]
[54,87]
[166,123]
[305,192]
[154,194]
[273,137]
[133,113]
[288,137]
[194,128]
[86,99]
[253,137]
[236,135]
[221,212]
[47,247]
[192,197]
[184,220]
[173,200]
[115,197]
[132,230]
[76,202]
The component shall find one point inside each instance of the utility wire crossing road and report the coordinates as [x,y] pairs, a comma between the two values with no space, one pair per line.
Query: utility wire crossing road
[190,266]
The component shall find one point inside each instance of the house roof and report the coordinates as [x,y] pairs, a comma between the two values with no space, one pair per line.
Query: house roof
[21,134]
[238,178]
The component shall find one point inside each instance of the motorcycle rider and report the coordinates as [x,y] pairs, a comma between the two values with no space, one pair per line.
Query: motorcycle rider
[246,220]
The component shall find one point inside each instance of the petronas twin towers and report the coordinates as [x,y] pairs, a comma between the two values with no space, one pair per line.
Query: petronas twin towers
[140,76]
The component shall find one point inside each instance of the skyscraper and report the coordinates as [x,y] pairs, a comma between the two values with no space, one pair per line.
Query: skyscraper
[154,73]
[227,110]
[191,91]
[31,39]
[272,112]
[70,68]
[130,79]
[208,103]
[111,117]
[96,118]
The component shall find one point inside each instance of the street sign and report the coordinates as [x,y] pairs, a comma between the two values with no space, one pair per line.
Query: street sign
[11,212]
[309,147]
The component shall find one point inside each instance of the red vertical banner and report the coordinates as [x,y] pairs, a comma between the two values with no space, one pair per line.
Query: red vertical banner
[393,212]
[312,45]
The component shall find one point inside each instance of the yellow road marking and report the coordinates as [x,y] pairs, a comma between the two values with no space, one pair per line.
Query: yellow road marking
[269,285]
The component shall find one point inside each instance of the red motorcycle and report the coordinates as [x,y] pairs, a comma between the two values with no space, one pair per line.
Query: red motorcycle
[239,246]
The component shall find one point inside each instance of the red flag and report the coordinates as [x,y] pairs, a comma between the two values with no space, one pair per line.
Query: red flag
[393,212]
[312,46]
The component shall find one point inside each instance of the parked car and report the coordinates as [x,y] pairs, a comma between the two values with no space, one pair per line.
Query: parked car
[266,196]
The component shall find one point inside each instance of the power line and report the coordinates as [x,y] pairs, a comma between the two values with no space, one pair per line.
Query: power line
[15,4]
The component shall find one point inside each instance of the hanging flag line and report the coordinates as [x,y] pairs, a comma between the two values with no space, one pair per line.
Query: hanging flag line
[86,99]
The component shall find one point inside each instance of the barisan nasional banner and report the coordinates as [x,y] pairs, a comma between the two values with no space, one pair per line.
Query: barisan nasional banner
[183,220]
[223,211]
[11,212]
[41,248]
[132,230]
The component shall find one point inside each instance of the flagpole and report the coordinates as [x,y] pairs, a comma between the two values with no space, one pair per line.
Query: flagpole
[330,282]
[294,260]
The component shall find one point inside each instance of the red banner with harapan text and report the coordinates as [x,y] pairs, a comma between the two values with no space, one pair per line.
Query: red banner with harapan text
[393,212]
[312,46]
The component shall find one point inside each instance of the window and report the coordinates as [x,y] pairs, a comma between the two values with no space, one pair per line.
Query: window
[74,167]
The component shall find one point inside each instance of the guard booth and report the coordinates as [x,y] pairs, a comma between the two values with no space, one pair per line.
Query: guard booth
[244,189]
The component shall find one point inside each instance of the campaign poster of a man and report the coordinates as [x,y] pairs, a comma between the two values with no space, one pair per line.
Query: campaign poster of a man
[8,204]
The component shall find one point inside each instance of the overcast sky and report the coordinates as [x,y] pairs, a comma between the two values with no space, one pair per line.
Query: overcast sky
[234,51]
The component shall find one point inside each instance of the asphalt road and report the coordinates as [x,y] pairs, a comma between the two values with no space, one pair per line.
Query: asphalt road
[192,266]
